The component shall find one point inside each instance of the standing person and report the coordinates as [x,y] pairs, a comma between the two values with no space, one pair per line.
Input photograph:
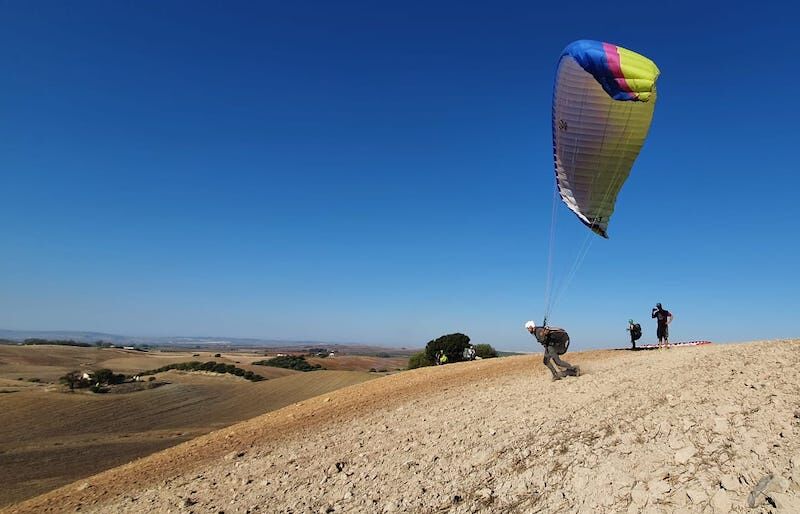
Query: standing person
[664,318]
[555,342]
[636,332]
[469,353]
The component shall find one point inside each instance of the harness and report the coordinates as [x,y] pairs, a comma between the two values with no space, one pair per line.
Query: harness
[548,342]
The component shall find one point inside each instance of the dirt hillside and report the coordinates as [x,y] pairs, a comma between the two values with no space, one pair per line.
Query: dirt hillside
[704,429]
[49,438]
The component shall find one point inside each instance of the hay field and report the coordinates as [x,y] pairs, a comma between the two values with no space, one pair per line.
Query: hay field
[49,437]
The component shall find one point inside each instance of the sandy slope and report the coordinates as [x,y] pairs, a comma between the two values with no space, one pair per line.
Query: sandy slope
[692,429]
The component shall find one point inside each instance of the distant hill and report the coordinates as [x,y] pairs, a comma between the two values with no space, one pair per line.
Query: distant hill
[197,341]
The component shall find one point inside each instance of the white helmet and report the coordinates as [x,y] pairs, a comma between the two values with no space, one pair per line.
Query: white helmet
[529,325]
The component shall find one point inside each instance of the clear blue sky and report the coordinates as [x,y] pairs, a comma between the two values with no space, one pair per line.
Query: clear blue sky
[382,173]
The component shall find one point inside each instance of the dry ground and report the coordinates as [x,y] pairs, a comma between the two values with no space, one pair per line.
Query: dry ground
[705,429]
[360,362]
[49,438]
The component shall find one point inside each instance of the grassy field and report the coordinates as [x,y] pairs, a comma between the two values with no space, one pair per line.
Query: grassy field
[50,437]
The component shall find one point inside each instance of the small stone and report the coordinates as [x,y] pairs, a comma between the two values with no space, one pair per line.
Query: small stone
[639,494]
[696,495]
[658,487]
[721,501]
[729,483]
[484,493]
[785,502]
[682,456]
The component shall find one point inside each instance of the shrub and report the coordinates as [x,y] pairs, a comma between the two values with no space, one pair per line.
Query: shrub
[74,379]
[207,366]
[451,344]
[419,360]
[106,376]
[485,351]
[294,362]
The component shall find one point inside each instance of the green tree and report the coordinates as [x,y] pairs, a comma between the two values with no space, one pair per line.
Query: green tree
[295,362]
[419,360]
[485,351]
[451,344]
[73,379]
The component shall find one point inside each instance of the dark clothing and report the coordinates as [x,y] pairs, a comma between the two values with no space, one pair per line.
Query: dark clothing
[661,316]
[636,332]
[553,337]
[555,342]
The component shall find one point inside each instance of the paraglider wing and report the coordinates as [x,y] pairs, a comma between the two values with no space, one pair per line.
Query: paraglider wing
[603,103]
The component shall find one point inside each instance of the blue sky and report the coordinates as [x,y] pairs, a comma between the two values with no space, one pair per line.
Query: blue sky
[382,173]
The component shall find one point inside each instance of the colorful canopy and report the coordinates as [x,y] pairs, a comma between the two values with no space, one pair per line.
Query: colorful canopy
[603,103]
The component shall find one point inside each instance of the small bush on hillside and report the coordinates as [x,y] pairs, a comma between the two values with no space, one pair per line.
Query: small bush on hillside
[485,351]
[106,376]
[419,360]
[451,344]
[216,367]
[74,379]
[294,362]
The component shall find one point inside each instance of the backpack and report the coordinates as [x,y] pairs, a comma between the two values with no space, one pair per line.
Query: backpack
[558,338]
[636,331]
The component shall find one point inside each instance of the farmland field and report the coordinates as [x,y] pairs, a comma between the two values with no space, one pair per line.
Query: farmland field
[50,437]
